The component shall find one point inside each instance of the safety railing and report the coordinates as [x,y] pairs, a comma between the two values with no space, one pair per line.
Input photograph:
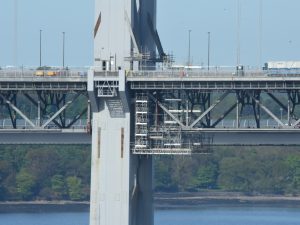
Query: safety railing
[23,124]
[193,74]
[49,73]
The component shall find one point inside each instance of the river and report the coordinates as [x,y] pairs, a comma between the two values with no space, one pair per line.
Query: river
[210,215]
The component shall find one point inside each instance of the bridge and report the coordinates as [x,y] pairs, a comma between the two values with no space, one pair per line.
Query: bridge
[131,113]
[166,112]
[182,104]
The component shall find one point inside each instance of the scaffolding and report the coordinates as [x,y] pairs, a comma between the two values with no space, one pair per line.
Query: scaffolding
[141,121]
[159,123]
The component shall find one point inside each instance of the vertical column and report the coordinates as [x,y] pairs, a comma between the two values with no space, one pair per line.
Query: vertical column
[289,111]
[142,212]
[121,183]
[110,169]
[237,112]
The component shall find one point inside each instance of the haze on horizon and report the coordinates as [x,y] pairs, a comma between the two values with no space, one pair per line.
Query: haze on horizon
[276,32]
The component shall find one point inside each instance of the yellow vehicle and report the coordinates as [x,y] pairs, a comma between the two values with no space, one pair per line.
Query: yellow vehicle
[39,73]
[51,73]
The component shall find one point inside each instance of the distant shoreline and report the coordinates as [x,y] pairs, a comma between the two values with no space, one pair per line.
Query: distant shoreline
[43,206]
[200,199]
[161,201]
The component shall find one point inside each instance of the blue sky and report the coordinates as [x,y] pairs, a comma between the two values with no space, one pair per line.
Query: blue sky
[280,31]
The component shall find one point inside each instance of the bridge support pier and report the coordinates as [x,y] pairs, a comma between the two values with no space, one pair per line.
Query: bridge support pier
[121,183]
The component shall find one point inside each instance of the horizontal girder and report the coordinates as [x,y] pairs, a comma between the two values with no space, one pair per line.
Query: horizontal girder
[45,137]
[174,113]
[221,137]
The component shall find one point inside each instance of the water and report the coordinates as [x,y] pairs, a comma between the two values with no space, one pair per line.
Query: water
[230,216]
[202,216]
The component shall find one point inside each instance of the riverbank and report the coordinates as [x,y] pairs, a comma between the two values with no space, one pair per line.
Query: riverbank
[188,200]
[161,201]
[44,206]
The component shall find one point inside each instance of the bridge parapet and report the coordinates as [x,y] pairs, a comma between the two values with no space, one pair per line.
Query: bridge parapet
[171,73]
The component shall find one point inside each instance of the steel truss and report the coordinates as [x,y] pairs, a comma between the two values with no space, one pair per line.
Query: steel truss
[170,121]
[43,109]
[161,121]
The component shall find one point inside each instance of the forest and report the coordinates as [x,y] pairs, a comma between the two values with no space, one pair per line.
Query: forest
[30,173]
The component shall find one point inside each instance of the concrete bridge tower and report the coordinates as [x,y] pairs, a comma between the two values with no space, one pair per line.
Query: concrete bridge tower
[121,186]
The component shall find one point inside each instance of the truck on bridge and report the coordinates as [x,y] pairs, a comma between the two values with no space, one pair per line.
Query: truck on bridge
[280,68]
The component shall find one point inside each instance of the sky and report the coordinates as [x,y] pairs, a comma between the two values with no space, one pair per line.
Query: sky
[276,35]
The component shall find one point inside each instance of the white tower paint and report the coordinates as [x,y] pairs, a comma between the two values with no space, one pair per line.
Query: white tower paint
[122,29]
[121,183]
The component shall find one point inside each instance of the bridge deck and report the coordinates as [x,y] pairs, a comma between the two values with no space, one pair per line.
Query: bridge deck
[214,80]
[221,137]
[211,81]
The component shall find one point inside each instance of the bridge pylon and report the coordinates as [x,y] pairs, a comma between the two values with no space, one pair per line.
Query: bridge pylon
[121,183]
[125,39]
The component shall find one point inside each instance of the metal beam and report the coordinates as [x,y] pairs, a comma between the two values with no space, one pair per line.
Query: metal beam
[77,117]
[224,115]
[131,33]
[278,101]
[268,112]
[59,111]
[166,110]
[209,109]
[155,37]
[18,111]
[56,114]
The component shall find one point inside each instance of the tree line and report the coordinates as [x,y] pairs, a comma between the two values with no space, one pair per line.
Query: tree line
[44,173]
[263,170]
[63,172]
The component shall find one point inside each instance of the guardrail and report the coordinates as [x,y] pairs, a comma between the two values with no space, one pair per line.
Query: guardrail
[197,73]
[29,73]
[23,124]
[82,124]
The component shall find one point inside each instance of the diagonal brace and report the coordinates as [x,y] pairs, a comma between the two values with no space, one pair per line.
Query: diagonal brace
[166,110]
[77,117]
[209,109]
[224,115]
[133,39]
[56,114]
[59,111]
[268,111]
[18,111]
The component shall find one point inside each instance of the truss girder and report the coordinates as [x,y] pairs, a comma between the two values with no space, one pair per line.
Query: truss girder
[166,111]
[39,109]
[209,109]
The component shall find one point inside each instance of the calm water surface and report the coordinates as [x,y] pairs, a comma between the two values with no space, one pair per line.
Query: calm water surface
[202,216]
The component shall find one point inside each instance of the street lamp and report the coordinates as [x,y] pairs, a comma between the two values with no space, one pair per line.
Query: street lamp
[189,55]
[63,51]
[208,50]
[238,50]
[40,48]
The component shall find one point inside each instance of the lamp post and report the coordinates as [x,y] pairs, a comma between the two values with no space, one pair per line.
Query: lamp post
[15,33]
[189,54]
[260,32]
[208,50]
[238,50]
[40,48]
[63,50]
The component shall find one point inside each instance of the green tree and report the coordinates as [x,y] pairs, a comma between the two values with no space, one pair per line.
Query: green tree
[75,189]
[58,187]
[182,170]
[236,174]
[42,163]
[25,185]
[4,172]
[293,163]
[163,179]
[206,177]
